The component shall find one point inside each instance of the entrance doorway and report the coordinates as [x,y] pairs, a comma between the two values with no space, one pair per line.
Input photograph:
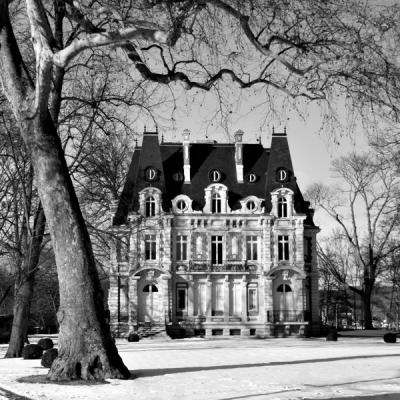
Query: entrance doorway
[284,304]
[149,304]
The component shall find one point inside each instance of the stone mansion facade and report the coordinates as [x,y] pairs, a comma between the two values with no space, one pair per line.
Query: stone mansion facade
[213,237]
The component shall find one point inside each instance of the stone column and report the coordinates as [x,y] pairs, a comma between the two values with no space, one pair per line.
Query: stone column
[269,305]
[165,312]
[245,330]
[226,298]
[113,302]
[208,303]
[190,296]
[244,298]
[133,304]
[208,298]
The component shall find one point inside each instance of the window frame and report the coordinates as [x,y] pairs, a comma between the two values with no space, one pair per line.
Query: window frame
[283,248]
[181,247]
[282,207]
[181,287]
[150,247]
[252,247]
[217,250]
[252,294]
[216,203]
[150,206]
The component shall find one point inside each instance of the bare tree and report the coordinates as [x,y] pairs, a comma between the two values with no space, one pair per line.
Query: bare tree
[22,227]
[338,273]
[367,212]
[307,49]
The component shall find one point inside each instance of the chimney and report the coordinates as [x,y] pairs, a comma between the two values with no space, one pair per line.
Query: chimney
[186,155]
[239,155]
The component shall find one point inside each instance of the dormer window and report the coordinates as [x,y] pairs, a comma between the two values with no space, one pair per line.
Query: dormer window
[251,205]
[150,206]
[282,207]
[282,203]
[216,203]
[216,199]
[181,205]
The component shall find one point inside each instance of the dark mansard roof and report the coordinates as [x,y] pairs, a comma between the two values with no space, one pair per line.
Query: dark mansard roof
[167,159]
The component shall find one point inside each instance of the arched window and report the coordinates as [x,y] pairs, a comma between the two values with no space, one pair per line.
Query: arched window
[282,208]
[150,206]
[284,288]
[150,289]
[216,203]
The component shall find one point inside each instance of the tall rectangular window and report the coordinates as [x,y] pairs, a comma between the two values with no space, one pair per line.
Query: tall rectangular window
[235,299]
[181,298]
[283,247]
[252,298]
[217,298]
[216,203]
[251,248]
[181,247]
[282,207]
[216,250]
[201,299]
[150,247]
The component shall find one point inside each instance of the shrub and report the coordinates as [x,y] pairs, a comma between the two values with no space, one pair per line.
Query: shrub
[32,352]
[133,337]
[46,343]
[332,337]
[176,332]
[389,337]
[48,357]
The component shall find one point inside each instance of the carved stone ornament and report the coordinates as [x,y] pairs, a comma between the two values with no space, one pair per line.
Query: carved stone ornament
[285,275]
[150,276]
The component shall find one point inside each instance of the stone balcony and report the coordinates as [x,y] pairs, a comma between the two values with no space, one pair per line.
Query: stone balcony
[207,266]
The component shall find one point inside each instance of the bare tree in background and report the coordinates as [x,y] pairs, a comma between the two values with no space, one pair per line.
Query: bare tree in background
[21,229]
[367,212]
[338,272]
[308,49]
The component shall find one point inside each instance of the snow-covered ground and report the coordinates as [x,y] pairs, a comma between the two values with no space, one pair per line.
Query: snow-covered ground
[230,369]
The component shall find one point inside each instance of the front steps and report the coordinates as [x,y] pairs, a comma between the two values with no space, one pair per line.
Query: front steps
[151,331]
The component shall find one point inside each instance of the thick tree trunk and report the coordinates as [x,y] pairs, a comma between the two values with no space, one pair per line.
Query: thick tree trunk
[22,304]
[367,309]
[86,348]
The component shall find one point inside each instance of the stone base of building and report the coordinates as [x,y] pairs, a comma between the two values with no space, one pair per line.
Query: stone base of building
[210,329]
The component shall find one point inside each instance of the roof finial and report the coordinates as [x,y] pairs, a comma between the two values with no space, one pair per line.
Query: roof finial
[145,129]
[136,142]
[157,128]
[273,130]
[162,137]
[259,139]
[284,130]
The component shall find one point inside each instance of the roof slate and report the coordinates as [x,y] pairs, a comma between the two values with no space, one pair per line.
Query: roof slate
[168,159]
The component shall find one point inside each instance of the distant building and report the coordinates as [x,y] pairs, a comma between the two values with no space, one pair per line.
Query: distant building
[213,237]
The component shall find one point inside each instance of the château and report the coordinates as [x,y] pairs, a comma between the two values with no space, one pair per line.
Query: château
[215,238]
